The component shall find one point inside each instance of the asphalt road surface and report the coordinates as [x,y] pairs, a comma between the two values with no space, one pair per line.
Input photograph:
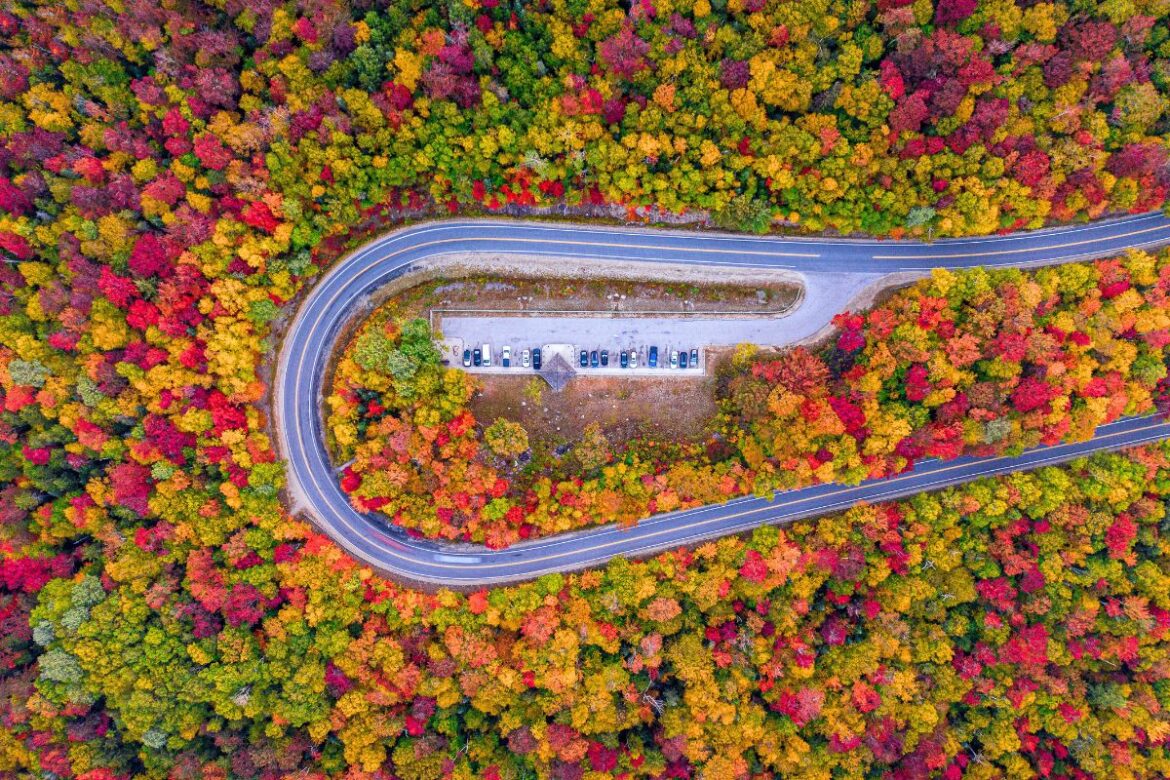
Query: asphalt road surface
[311,338]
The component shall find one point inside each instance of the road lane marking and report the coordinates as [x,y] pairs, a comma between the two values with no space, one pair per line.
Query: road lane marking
[659,547]
[1032,250]
[835,507]
[888,487]
[312,477]
[836,242]
[342,276]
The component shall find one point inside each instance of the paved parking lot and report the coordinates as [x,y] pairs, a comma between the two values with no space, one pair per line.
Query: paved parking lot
[825,295]
[453,352]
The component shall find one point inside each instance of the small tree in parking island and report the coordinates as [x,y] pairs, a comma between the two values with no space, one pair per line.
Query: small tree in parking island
[506,438]
[534,390]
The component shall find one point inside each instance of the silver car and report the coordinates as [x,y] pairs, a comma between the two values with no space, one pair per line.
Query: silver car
[525,358]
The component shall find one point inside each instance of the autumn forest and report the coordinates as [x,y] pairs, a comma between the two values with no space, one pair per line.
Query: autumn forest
[174,176]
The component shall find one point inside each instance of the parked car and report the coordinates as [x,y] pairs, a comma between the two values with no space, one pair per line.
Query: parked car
[477,357]
[653,359]
[506,357]
[536,358]
[624,359]
[487,354]
[604,358]
[674,358]
[584,359]
[525,359]
[593,361]
[694,358]
[466,358]
[682,359]
[633,358]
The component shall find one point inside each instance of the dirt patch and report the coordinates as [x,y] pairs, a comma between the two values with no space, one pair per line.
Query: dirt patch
[506,294]
[669,409]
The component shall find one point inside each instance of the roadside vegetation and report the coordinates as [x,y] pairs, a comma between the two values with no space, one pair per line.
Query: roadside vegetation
[1010,628]
[979,362]
[173,174]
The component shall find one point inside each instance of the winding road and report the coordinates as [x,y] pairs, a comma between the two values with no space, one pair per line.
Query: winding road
[312,483]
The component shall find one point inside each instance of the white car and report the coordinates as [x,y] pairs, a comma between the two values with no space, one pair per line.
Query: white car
[525,358]
[633,358]
[674,358]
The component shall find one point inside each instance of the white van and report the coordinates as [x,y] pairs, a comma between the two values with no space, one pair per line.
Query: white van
[487,354]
